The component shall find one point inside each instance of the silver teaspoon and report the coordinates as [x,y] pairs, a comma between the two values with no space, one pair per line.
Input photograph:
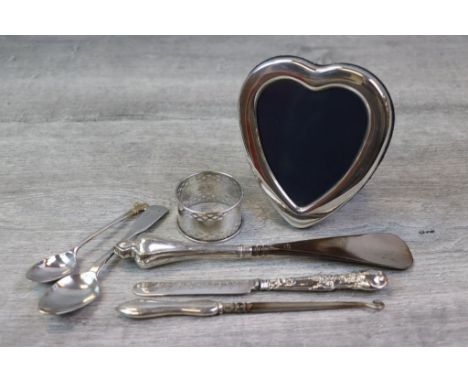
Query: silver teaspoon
[74,292]
[55,267]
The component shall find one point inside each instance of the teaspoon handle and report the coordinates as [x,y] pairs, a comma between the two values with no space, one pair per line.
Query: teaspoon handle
[101,263]
[145,221]
[136,209]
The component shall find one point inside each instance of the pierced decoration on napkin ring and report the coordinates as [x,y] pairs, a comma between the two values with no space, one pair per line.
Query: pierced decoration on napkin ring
[314,134]
[209,206]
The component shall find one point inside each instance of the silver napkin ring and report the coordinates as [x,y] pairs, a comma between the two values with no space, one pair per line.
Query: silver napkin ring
[209,206]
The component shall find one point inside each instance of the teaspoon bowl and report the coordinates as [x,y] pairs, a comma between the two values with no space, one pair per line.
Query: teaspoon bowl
[53,268]
[70,293]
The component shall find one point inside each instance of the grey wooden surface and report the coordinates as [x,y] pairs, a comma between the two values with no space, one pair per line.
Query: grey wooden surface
[89,125]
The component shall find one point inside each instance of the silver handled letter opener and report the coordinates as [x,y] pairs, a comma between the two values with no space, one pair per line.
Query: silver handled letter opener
[364,280]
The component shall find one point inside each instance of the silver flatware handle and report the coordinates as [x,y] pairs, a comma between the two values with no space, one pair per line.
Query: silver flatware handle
[150,308]
[135,210]
[364,280]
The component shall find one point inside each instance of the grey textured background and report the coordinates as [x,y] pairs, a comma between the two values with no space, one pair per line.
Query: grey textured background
[89,125]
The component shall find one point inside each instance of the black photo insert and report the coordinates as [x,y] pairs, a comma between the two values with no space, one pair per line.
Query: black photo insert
[310,138]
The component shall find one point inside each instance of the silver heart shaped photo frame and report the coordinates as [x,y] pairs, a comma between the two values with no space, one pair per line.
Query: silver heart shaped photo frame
[314,134]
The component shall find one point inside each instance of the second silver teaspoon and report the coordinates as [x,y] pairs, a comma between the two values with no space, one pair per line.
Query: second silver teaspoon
[55,267]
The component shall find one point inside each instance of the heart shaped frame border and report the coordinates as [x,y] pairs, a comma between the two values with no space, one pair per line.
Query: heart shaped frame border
[317,77]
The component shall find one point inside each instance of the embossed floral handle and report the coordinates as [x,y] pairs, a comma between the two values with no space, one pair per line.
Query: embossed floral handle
[364,280]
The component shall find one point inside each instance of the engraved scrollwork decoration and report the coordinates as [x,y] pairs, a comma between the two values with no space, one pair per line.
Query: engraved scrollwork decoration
[367,281]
